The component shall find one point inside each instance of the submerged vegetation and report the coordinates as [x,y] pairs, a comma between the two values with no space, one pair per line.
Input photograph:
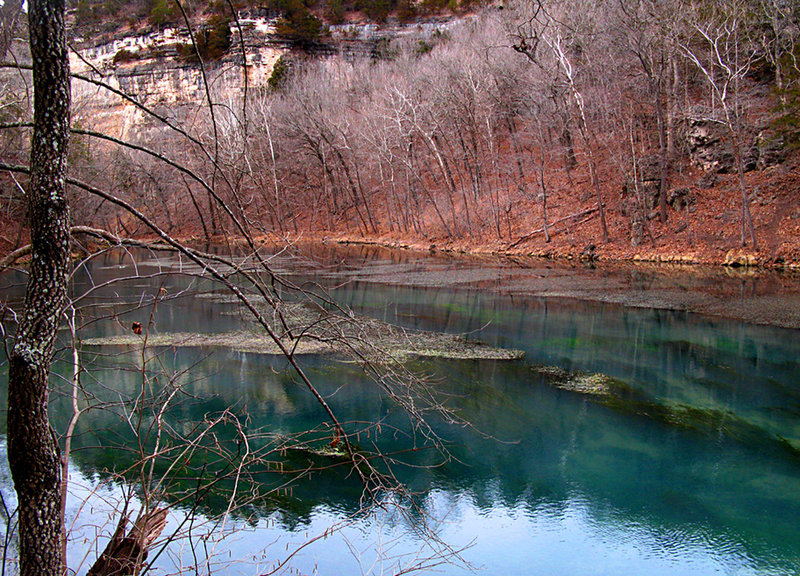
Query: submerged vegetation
[311,330]
[592,384]
[633,400]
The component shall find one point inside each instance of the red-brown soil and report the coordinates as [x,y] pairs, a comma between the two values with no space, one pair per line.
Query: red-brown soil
[709,233]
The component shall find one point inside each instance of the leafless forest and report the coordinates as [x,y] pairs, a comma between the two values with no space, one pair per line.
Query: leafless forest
[660,129]
[549,127]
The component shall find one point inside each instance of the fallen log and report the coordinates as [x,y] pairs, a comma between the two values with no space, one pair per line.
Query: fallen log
[528,236]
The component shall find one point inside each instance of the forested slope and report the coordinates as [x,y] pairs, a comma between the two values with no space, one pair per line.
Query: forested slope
[662,130]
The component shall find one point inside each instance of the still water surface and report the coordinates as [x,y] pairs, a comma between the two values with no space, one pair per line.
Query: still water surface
[565,484]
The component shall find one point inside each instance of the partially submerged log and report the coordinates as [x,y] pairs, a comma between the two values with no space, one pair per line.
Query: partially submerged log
[125,554]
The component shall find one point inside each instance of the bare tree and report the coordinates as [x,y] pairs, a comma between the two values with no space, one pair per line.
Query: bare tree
[32,448]
[540,28]
[556,45]
[723,54]
[779,41]
[650,34]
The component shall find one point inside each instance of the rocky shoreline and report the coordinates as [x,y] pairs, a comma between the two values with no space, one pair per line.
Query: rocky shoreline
[731,258]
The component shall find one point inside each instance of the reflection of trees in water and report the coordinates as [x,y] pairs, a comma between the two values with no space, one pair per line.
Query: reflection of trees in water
[233,415]
[546,447]
[662,350]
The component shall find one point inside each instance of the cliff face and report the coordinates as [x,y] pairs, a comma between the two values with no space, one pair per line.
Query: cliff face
[151,69]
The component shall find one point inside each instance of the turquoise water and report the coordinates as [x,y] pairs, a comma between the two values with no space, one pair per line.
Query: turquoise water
[696,470]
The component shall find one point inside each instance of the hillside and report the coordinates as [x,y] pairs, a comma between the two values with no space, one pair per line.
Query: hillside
[651,131]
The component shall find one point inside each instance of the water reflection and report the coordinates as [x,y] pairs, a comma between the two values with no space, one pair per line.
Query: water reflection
[564,484]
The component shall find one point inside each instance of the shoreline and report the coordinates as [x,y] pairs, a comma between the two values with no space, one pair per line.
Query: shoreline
[611,252]
[756,293]
[732,258]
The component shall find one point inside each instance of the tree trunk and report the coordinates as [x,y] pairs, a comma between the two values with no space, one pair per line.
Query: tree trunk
[33,452]
[747,219]
[663,180]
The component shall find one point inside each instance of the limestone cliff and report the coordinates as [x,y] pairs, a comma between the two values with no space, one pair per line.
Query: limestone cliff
[151,69]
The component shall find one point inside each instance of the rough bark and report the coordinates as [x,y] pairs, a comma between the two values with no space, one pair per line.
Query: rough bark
[32,448]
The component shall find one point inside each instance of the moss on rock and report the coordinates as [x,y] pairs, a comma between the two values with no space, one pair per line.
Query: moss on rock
[594,384]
